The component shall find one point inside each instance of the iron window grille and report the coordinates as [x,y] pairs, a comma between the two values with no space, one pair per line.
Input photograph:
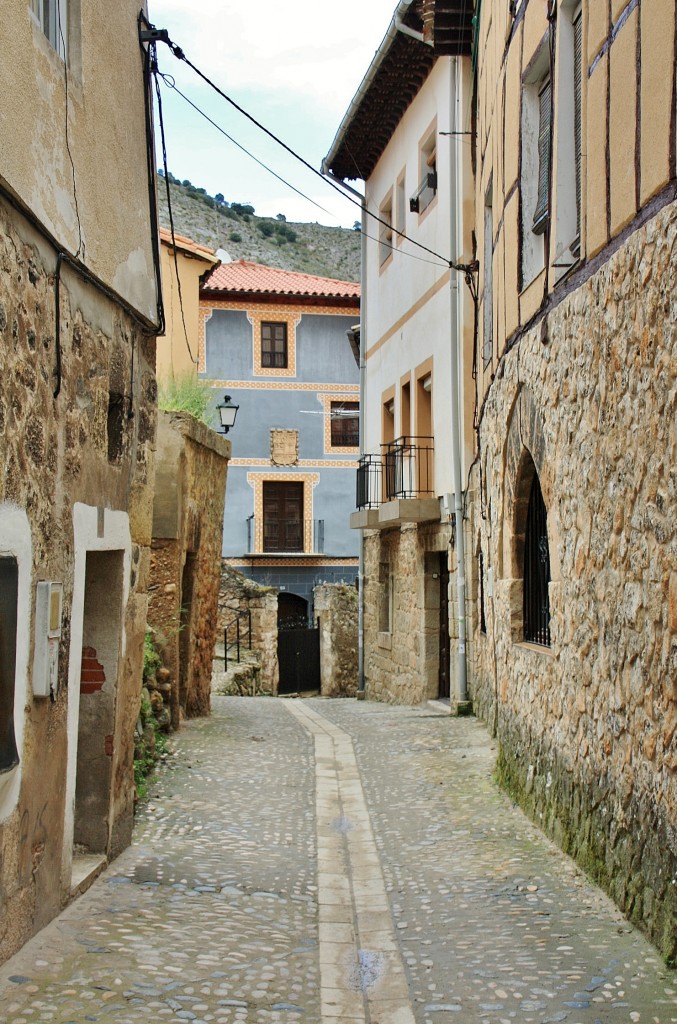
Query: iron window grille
[536,570]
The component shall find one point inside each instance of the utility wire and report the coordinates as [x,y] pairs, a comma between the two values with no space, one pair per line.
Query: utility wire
[163,36]
[158,93]
[170,83]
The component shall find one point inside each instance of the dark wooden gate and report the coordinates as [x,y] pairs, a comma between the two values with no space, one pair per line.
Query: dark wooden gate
[298,655]
[443,689]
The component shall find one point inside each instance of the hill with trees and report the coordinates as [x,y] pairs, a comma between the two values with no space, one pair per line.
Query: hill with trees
[235,227]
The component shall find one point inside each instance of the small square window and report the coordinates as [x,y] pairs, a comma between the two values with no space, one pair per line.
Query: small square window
[345,425]
[274,345]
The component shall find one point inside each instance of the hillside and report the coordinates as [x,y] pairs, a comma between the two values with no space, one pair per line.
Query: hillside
[211,220]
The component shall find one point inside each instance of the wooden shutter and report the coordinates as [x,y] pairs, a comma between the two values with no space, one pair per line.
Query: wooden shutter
[578,71]
[544,116]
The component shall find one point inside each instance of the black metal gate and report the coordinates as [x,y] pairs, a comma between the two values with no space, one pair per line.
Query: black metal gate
[298,655]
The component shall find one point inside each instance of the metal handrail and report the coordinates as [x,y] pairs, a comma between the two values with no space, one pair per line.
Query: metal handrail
[237,642]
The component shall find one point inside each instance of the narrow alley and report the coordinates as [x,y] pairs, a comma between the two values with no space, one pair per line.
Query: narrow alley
[336,861]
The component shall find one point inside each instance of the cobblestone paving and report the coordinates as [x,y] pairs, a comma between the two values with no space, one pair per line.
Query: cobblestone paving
[212,916]
[495,924]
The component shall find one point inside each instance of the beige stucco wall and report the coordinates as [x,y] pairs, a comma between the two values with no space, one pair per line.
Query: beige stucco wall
[177,348]
[106,136]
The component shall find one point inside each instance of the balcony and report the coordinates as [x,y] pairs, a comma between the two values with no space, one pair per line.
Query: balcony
[396,486]
[267,536]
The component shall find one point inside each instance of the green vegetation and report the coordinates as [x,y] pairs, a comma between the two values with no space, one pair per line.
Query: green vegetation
[185,392]
[150,742]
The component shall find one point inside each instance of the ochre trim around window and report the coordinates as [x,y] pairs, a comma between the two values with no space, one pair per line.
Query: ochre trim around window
[257,480]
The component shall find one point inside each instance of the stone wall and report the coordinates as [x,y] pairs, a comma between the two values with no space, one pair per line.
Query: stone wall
[587,728]
[239,593]
[401,625]
[192,462]
[336,608]
[77,433]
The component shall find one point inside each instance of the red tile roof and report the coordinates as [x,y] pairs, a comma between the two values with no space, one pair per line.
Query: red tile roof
[241,276]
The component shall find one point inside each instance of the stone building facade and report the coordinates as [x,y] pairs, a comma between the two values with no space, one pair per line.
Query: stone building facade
[569,500]
[191,467]
[336,612]
[78,315]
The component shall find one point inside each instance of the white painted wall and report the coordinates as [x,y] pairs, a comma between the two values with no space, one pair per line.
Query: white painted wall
[397,291]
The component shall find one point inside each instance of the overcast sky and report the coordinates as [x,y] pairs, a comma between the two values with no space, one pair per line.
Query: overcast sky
[295,68]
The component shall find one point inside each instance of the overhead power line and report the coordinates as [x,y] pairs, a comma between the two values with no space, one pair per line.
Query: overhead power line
[153,35]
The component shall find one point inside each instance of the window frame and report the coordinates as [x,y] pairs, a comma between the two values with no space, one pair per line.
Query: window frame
[488,287]
[287,522]
[267,354]
[536,572]
[52,17]
[337,438]
[532,227]
[385,232]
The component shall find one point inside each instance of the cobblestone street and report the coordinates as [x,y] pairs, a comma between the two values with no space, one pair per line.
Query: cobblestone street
[329,860]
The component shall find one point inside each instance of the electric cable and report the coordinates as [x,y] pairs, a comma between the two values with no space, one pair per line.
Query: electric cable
[180,55]
[163,142]
[170,83]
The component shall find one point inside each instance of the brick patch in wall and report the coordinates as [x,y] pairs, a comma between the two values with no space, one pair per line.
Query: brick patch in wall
[92,675]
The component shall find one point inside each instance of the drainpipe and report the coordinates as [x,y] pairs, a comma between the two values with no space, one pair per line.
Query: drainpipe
[456,325]
[363,372]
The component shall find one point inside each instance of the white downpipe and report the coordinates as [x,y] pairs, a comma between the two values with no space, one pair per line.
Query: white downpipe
[361,416]
[456,325]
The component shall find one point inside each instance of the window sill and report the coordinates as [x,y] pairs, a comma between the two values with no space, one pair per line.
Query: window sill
[534,648]
[385,640]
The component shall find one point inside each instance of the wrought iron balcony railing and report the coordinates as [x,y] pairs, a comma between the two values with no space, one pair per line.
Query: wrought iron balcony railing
[270,535]
[403,469]
[409,468]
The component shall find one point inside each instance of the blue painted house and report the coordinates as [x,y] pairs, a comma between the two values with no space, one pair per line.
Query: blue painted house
[277,342]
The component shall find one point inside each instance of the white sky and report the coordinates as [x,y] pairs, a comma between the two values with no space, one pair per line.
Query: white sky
[295,68]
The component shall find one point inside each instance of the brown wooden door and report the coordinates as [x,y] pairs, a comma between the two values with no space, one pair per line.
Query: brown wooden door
[443,677]
[282,516]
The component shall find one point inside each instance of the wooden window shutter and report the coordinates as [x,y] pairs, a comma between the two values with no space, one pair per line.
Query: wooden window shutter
[578,71]
[542,205]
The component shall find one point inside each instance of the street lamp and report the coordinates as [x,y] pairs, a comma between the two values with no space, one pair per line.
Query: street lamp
[227,413]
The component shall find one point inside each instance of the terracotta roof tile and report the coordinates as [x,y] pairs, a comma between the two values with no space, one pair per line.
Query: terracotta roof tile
[244,276]
[184,244]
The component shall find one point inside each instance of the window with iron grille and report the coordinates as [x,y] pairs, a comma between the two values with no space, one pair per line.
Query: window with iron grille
[52,16]
[536,570]
[542,210]
[483,617]
[345,424]
[274,345]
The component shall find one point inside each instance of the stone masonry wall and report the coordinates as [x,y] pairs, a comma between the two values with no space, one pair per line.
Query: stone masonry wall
[56,452]
[238,592]
[336,608]
[400,662]
[588,728]
[186,555]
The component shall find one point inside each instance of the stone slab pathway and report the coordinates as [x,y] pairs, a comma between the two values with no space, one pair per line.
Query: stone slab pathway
[324,861]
